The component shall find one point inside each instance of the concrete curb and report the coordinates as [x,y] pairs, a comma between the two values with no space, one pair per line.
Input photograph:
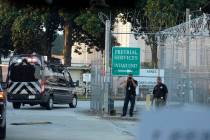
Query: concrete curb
[109,117]
[126,118]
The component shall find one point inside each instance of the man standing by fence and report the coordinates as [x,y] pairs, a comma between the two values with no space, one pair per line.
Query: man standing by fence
[160,92]
[131,85]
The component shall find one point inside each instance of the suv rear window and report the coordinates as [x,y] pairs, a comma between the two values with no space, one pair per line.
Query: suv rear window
[22,70]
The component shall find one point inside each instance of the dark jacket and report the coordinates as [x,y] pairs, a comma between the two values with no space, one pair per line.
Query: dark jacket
[130,88]
[160,91]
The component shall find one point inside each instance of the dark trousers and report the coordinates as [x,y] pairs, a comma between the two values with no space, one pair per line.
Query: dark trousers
[159,102]
[128,98]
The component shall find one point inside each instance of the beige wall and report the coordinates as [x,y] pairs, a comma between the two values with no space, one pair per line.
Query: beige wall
[76,75]
[123,39]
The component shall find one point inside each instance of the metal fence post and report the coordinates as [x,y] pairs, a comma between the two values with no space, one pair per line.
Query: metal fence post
[107,66]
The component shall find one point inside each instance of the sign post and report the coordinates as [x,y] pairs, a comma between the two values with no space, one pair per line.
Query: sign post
[125,60]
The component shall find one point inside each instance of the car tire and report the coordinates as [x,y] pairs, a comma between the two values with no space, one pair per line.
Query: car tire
[49,105]
[3,132]
[16,105]
[73,104]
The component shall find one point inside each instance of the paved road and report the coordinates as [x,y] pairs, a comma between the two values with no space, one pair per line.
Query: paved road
[66,124]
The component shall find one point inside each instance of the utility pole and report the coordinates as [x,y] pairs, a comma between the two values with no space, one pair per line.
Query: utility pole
[107,66]
[108,102]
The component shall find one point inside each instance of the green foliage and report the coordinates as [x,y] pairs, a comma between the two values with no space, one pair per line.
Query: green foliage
[160,14]
[27,31]
[8,13]
[92,29]
[21,28]
[68,15]
[90,23]
[181,5]
[52,22]
[89,30]
[140,4]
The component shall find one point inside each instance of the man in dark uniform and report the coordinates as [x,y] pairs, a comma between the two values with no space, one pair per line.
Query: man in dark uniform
[131,85]
[160,92]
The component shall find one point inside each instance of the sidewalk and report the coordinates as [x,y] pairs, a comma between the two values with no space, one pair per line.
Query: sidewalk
[140,106]
[118,105]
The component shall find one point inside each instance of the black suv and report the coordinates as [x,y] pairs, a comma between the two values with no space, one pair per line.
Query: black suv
[33,81]
[2,113]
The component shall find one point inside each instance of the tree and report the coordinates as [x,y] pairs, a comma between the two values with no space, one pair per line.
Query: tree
[28,31]
[8,13]
[181,5]
[47,15]
[160,15]
[164,14]
[68,26]
[93,29]
[52,24]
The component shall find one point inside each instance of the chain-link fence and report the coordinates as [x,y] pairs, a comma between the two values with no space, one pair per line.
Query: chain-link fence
[183,61]
[97,84]
[184,55]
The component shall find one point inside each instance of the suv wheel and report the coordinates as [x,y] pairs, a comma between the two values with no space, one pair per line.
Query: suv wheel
[73,104]
[50,103]
[3,131]
[16,105]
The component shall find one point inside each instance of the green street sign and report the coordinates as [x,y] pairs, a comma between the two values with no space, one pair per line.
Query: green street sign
[125,60]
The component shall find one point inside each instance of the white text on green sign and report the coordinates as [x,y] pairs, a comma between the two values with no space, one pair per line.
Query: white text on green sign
[125,60]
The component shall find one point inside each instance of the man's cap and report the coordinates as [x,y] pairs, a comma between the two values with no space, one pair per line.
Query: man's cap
[159,78]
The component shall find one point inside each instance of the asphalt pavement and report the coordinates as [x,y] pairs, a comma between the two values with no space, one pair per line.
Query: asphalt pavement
[64,123]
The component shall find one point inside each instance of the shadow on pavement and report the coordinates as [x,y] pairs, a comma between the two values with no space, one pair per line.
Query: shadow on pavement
[43,108]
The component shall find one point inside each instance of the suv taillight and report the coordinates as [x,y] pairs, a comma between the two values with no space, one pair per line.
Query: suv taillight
[43,82]
[1,95]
